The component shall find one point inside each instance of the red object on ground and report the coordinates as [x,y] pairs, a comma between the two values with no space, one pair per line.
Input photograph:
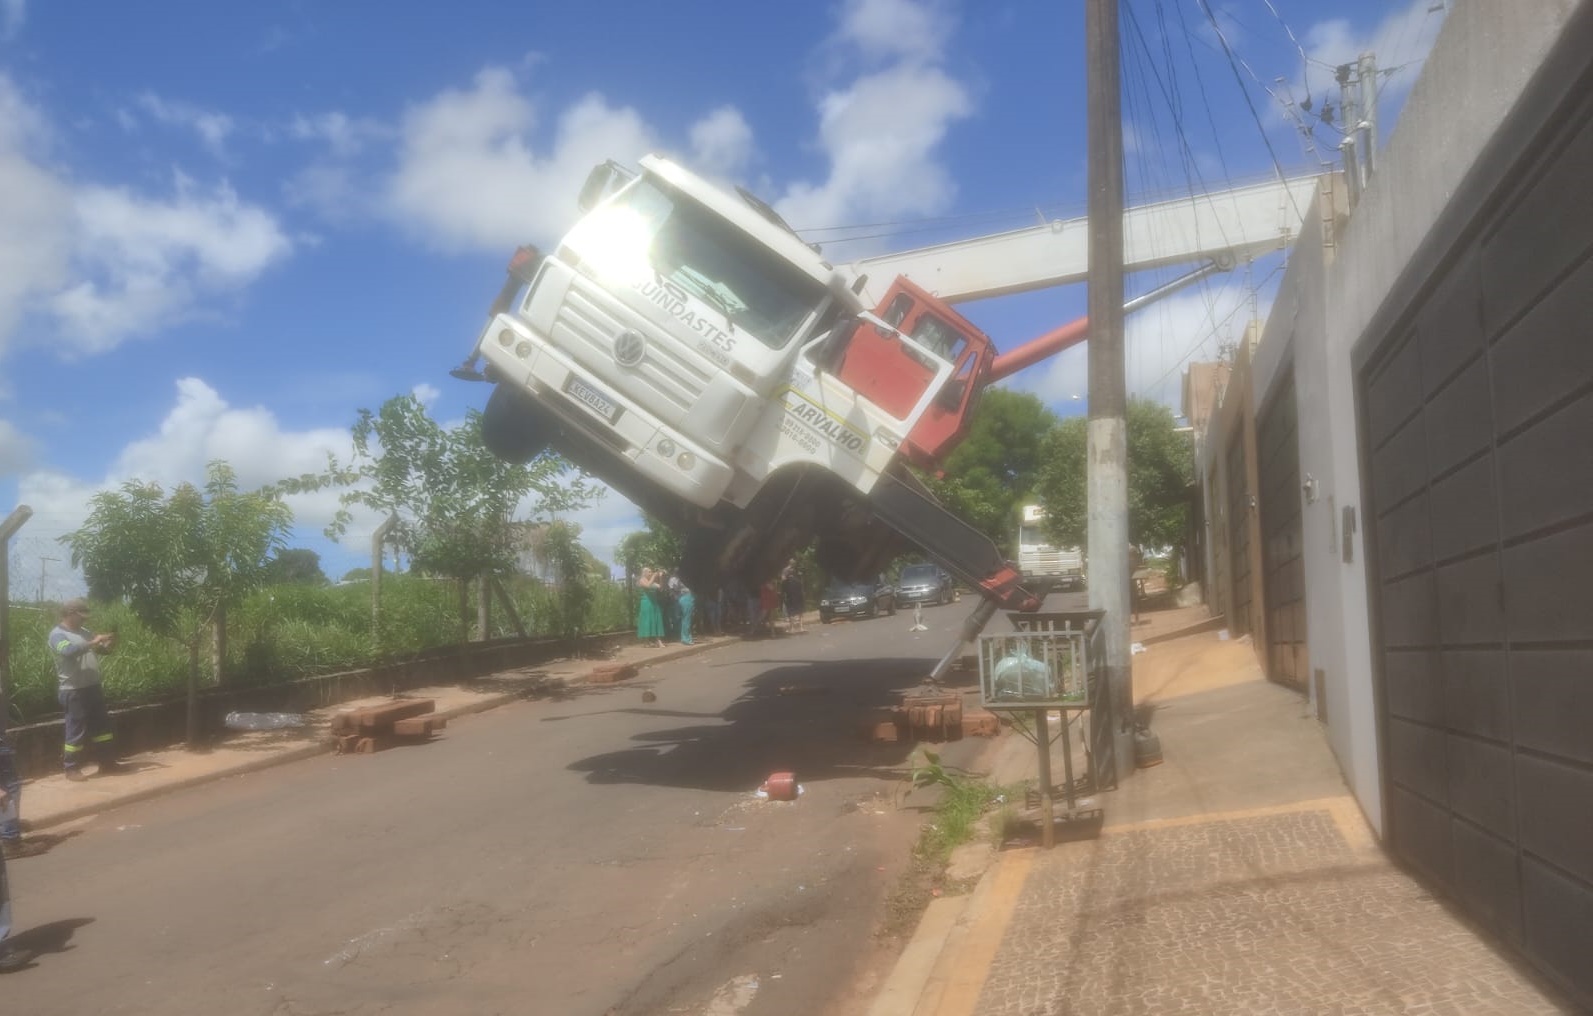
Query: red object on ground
[781,786]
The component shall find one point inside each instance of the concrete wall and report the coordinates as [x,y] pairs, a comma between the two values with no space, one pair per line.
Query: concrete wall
[1342,273]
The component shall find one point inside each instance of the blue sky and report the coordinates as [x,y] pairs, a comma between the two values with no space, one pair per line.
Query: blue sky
[225,228]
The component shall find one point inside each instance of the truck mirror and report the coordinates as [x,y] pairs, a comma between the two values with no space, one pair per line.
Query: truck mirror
[599,183]
[844,294]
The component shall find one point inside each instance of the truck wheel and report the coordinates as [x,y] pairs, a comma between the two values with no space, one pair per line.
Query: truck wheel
[511,429]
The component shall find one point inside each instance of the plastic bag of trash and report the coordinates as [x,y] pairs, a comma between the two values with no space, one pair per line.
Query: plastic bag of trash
[263,721]
[1020,677]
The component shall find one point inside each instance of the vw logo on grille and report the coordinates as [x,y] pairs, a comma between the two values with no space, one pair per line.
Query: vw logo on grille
[629,348]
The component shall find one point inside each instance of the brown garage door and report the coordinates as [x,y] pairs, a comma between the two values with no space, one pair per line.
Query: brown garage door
[1283,578]
[1476,406]
[1238,537]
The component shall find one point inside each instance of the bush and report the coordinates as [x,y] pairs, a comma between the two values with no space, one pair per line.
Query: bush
[282,633]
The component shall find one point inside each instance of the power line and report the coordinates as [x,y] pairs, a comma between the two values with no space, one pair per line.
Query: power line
[1233,63]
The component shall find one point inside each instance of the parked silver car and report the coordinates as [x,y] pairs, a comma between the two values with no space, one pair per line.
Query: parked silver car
[924,583]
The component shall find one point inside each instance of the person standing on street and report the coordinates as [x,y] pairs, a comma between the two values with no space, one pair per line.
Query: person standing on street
[77,667]
[10,959]
[688,607]
[11,844]
[650,611]
[791,594]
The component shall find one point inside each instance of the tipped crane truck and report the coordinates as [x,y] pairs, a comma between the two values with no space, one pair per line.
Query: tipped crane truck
[684,345]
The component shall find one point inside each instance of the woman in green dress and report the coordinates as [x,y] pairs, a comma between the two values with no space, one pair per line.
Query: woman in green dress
[650,612]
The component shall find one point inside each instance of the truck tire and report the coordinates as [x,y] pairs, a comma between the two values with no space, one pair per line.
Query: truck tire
[512,429]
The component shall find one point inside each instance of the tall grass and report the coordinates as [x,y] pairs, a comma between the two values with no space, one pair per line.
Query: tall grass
[286,632]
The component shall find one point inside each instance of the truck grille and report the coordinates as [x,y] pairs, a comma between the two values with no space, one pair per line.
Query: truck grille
[667,380]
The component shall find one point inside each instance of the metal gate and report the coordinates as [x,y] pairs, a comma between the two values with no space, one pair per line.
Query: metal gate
[1476,415]
[1239,502]
[1282,540]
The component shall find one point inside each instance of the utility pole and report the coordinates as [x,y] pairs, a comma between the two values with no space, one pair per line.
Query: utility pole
[44,571]
[1368,122]
[1107,442]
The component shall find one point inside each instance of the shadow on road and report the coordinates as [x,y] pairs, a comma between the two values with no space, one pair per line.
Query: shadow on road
[809,718]
[55,937]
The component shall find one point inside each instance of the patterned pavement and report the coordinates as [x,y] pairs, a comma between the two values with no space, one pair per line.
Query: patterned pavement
[1290,910]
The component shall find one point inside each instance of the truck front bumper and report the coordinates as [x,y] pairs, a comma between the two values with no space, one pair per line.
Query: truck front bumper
[520,357]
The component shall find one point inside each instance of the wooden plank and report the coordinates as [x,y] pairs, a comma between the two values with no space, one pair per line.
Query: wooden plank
[383,716]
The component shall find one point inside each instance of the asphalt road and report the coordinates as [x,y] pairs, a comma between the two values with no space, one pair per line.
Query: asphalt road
[598,854]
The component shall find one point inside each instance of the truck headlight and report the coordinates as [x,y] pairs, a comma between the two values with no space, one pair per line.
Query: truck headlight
[505,338]
[523,350]
[666,448]
[686,460]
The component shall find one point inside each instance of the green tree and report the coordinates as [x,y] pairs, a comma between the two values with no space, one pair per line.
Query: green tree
[656,546]
[179,562]
[1160,469]
[573,574]
[295,566]
[454,499]
[994,469]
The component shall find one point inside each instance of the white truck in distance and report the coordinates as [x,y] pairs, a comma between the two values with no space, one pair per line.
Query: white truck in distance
[1041,560]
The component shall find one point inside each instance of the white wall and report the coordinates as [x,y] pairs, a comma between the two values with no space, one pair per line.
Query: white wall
[1482,59]
[1480,62]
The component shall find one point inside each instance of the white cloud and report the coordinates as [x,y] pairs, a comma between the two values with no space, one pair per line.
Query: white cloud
[212,127]
[144,263]
[12,14]
[880,130]
[896,29]
[107,262]
[426,394]
[16,449]
[721,143]
[344,135]
[471,176]
[35,214]
[201,427]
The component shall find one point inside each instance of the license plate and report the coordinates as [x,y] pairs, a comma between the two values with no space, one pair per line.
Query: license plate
[592,398]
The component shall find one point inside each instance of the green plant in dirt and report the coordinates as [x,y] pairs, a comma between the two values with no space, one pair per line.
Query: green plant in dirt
[964,801]
[179,562]
[454,499]
[932,773]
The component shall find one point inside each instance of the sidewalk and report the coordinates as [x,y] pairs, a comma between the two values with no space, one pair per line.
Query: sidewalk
[53,801]
[1237,877]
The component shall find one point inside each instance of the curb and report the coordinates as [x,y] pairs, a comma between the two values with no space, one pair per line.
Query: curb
[91,809]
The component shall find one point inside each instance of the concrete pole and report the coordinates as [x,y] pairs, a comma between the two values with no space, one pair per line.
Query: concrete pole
[378,543]
[1368,77]
[1107,442]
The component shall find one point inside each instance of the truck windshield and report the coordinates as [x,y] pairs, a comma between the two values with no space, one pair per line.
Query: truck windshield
[756,290]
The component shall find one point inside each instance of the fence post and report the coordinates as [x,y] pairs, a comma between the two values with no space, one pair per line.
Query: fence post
[378,541]
[21,514]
